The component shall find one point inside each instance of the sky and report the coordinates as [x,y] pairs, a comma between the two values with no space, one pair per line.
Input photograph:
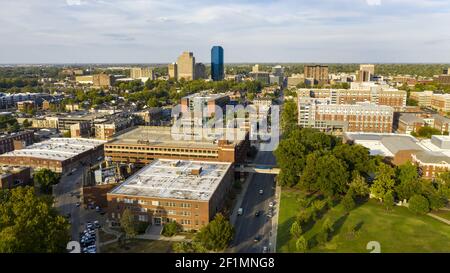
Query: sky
[157,31]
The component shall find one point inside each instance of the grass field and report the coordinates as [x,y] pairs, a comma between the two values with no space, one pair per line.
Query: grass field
[397,230]
[139,246]
[443,213]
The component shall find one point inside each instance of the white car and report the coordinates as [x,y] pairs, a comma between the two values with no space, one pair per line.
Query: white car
[240,211]
[261,191]
[271,204]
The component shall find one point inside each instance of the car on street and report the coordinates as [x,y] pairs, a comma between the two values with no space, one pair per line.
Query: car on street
[97,209]
[257,238]
[78,204]
[261,192]
[240,211]
[97,224]
[265,249]
[269,214]
[257,213]
[271,204]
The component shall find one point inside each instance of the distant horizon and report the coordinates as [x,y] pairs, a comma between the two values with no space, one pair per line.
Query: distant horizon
[230,63]
[266,31]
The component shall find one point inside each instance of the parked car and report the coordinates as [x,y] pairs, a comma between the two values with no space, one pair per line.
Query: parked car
[257,213]
[257,238]
[271,204]
[78,204]
[240,211]
[265,249]
[261,192]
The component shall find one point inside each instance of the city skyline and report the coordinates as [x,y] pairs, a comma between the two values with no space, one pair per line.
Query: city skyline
[140,31]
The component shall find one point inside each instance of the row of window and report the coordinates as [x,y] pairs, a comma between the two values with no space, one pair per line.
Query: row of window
[140,148]
[156,203]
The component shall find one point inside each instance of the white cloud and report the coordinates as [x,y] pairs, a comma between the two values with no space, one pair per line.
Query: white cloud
[278,30]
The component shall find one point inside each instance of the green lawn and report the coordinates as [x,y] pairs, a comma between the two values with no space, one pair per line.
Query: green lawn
[398,230]
[139,246]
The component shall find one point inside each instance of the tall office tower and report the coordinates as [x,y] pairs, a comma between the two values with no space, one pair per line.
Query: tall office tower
[138,72]
[217,68]
[365,72]
[200,71]
[173,71]
[317,73]
[186,66]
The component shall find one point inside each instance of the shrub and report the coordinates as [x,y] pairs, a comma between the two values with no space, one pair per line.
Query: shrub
[301,244]
[419,204]
[171,229]
[348,202]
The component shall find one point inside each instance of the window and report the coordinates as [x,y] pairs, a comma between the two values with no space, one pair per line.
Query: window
[143,218]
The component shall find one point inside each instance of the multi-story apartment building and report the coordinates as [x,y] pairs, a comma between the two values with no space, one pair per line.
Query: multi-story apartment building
[318,74]
[102,80]
[10,142]
[365,72]
[379,95]
[11,100]
[142,72]
[80,129]
[423,98]
[188,192]
[441,102]
[186,66]
[108,129]
[360,117]
[173,71]
[47,122]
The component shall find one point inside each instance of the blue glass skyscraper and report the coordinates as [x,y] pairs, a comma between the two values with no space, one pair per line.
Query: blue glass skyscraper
[217,72]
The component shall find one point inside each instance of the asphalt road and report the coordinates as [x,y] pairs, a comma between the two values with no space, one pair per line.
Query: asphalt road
[66,203]
[248,226]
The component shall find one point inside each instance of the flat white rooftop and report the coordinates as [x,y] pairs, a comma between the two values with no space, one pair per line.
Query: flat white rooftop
[173,179]
[59,149]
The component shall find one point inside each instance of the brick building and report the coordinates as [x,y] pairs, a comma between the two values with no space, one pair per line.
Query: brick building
[57,154]
[188,192]
[145,143]
[14,176]
[10,142]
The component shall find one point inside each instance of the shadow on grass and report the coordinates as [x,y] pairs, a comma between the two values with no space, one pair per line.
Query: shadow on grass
[284,235]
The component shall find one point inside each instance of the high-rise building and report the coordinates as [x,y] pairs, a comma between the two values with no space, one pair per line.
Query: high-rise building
[173,71]
[200,71]
[365,73]
[318,74]
[139,72]
[186,66]
[217,68]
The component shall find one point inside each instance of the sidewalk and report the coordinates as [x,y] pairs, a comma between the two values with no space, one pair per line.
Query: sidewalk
[273,238]
[445,221]
[240,198]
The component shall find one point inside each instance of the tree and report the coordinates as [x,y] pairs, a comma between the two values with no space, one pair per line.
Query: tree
[383,182]
[289,116]
[46,178]
[408,180]
[128,223]
[427,132]
[30,224]
[26,123]
[348,202]
[296,230]
[356,157]
[301,244]
[388,200]
[359,186]
[171,229]
[188,247]
[217,234]
[419,204]
[333,176]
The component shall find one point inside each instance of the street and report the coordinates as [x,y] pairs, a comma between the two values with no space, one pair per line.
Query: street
[66,203]
[247,225]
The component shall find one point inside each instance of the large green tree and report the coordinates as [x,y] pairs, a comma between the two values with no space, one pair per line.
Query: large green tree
[46,178]
[30,224]
[217,234]
[408,181]
[129,224]
[384,181]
